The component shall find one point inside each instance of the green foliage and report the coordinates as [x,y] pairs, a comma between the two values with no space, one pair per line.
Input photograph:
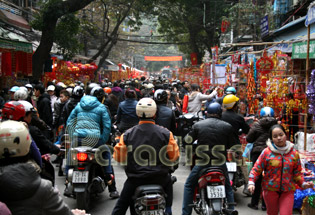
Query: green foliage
[65,35]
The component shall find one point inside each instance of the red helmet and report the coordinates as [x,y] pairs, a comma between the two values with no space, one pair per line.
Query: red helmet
[13,110]
[107,90]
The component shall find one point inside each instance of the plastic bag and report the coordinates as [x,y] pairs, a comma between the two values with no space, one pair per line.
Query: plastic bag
[247,150]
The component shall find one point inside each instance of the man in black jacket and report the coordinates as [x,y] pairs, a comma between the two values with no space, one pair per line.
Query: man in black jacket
[164,115]
[43,104]
[146,133]
[215,136]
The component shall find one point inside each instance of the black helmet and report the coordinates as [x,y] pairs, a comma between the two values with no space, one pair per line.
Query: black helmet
[78,92]
[98,92]
[90,87]
[160,95]
[214,108]
[104,84]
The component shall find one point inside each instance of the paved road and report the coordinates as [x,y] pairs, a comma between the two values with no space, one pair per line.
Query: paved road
[104,205]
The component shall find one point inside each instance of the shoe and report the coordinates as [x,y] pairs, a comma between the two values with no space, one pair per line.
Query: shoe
[263,208]
[68,191]
[114,194]
[174,179]
[57,160]
[246,191]
[254,207]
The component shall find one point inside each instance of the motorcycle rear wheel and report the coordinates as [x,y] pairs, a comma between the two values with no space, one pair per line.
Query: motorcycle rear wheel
[83,200]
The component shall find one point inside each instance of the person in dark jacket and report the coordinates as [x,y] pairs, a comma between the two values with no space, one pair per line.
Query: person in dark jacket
[58,107]
[76,96]
[152,135]
[126,113]
[164,116]
[22,189]
[258,135]
[43,105]
[230,103]
[117,91]
[45,146]
[218,136]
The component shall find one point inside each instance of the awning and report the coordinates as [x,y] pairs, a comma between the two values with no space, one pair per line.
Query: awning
[13,19]
[16,45]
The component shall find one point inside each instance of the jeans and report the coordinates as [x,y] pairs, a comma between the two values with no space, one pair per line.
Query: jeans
[279,202]
[192,182]
[125,200]
[106,155]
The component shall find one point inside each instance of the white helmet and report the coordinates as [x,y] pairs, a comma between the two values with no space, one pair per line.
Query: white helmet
[20,94]
[28,106]
[15,140]
[146,108]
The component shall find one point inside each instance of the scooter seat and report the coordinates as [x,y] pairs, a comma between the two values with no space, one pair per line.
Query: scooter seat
[210,169]
[148,189]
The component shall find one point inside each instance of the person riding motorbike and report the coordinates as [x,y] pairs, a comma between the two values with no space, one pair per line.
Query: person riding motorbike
[231,116]
[164,115]
[146,135]
[195,99]
[15,111]
[216,136]
[126,113]
[22,189]
[228,91]
[89,124]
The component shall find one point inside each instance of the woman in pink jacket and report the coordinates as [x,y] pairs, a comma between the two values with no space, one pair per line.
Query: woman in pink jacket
[282,167]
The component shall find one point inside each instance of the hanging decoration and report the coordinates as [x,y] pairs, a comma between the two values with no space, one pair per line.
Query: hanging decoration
[310,93]
[264,64]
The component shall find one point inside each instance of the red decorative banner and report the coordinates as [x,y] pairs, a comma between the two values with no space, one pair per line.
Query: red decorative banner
[161,58]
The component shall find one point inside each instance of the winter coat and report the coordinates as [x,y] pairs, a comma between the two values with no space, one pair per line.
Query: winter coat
[127,111]
[213,132]
[237,122]
[24,192]
[282,172]
[165,117]
[259,134]
[90,119]
[195,101]
[143,138]
[57,117]
[118,92]
[45,146]
[44,109]
[69,106]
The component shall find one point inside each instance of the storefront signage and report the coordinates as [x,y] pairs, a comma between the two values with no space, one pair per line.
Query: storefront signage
[264,26]
[299,50]
[310,17]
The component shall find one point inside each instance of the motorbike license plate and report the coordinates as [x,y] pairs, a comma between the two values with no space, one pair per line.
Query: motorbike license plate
[231,166]
[155,212]
[80,176]
[216,192]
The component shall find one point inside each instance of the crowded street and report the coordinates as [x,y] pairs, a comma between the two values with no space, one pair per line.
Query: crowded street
[159,107]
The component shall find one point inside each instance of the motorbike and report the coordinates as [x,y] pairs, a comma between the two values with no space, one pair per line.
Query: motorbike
[149,200]
[185,123]
[210,196]
[235,172]
[87,177]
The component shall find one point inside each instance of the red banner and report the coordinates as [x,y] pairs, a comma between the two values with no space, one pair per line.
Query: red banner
[193,58]
[161,58]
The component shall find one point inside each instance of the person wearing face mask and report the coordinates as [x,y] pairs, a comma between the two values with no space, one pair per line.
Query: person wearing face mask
[282,167]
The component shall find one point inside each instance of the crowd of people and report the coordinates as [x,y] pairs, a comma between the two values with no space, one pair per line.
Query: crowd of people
[35,117]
